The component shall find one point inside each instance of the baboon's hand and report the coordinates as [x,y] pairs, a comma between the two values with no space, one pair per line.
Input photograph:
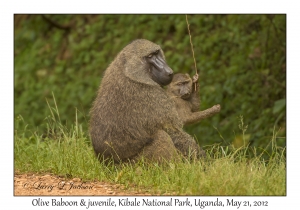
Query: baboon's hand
[195,78]
[217,107]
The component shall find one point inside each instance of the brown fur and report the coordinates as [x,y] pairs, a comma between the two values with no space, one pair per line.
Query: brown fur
[132,115]
[188,108]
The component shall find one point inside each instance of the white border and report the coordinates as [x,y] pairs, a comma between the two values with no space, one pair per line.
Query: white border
[8,8]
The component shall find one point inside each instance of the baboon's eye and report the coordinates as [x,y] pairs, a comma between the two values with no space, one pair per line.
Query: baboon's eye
[154,53]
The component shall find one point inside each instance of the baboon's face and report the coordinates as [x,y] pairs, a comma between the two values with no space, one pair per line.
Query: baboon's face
[159,70]
[181,86]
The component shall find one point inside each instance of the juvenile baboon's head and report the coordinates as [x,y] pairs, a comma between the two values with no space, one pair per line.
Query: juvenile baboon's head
[181,86]
[144,62]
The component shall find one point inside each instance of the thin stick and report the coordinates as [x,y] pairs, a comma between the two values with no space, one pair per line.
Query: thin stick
[188,26]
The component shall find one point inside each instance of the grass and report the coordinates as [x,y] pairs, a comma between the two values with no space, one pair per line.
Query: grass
[225,171]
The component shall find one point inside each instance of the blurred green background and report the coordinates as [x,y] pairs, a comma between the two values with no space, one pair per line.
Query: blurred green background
[241,58]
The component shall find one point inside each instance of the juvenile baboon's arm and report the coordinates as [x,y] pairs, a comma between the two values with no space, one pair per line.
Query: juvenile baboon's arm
[195,97]
[196,117]
[195,100]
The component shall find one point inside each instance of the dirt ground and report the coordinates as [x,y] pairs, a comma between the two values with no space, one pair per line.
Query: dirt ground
[48,184]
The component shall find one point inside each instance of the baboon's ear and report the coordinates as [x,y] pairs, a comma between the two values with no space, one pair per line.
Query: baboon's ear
[136,70]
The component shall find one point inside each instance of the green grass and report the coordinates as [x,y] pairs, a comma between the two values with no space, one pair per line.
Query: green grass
[225,171]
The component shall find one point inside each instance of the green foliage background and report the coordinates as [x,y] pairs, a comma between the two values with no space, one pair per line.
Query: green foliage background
[242,62]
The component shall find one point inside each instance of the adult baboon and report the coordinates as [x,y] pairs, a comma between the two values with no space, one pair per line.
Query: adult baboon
[187,99]
[132,115]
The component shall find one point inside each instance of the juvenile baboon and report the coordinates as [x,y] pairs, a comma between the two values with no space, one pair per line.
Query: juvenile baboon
[132,115]
[187,100]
